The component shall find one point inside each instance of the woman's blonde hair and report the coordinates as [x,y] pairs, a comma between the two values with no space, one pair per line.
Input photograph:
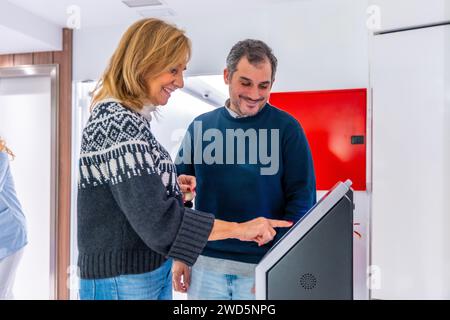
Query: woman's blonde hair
[4,148]
[148,48]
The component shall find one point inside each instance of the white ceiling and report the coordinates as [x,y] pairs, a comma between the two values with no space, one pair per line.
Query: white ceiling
[109,13]
[100,13]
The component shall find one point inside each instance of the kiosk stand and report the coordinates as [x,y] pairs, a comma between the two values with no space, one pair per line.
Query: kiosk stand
[314,259]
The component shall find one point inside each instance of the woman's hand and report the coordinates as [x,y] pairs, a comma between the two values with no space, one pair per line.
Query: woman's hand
[261,230]
[187,185]
[181,276]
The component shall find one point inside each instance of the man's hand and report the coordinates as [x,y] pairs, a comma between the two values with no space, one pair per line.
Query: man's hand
[260,230]
[181,276]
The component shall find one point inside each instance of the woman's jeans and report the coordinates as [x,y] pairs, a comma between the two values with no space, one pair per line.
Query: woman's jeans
[154,285]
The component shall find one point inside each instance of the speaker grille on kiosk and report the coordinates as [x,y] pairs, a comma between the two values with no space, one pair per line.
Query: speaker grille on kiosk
[308,281]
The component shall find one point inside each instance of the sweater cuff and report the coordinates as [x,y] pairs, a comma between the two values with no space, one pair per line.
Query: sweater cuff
[192,236]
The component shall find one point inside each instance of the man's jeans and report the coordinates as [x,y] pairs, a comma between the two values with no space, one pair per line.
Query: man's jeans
[154,285]
[210,285]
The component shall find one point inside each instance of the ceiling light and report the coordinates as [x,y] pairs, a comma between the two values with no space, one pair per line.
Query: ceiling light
[142,3]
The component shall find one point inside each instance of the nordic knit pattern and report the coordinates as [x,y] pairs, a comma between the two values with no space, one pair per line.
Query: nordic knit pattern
[130,213]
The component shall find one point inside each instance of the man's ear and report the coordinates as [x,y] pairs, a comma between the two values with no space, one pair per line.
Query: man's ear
[225,76]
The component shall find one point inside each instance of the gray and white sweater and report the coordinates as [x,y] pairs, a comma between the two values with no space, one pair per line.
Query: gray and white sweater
[130,211]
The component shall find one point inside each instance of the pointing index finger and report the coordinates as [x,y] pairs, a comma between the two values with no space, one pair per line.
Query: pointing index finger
[280,223]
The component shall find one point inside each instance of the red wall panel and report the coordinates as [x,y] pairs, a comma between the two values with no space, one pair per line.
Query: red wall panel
[330,120]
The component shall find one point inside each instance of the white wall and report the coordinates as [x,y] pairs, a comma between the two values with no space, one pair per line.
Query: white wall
[22,31]
[410,212]
[92,49]
[404,13]
[25,123]
[321,44]
[446,119]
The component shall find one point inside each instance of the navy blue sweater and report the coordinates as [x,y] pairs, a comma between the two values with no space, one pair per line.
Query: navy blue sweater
[247,168]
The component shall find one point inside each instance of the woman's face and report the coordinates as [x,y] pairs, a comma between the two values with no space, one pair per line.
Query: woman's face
[161,87]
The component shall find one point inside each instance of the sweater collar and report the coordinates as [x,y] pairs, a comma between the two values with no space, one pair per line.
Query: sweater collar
[230,116]
[146,110]
[236,115]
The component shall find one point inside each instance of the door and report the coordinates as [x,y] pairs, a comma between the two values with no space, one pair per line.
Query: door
[27,122]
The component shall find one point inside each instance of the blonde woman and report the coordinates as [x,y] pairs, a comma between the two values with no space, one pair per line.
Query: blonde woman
[13,235]
[131,218]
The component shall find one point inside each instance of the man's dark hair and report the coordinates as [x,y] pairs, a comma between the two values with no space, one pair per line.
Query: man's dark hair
[256,52]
